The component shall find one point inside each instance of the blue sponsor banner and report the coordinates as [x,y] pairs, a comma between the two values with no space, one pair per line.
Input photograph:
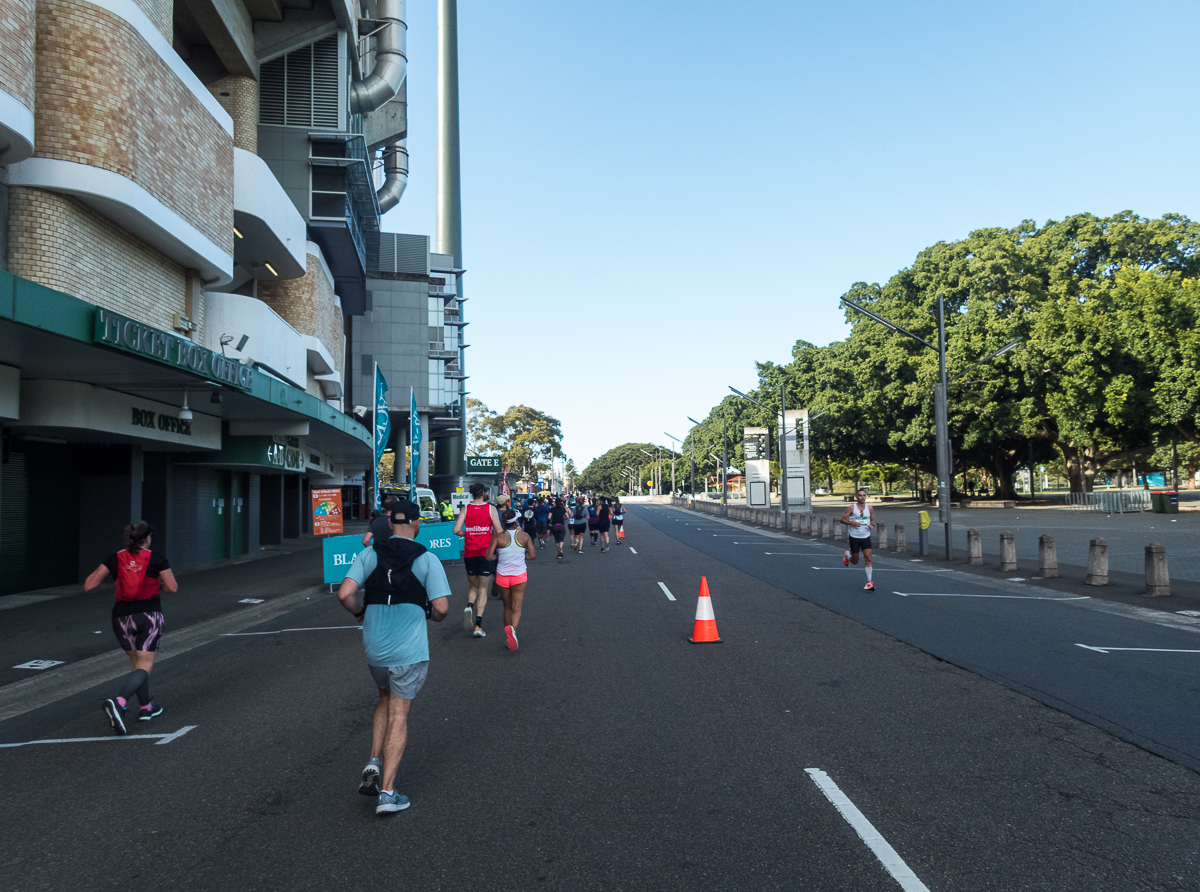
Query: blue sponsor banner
[339,551]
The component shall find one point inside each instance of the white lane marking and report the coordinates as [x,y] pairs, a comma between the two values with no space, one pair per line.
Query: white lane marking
[281,631]
[251,601]
[884,569]
[1011,597]
[891,861]
[1156,650]
[633,551]
[801,553]
[40,664]
[666,591]
[158,738]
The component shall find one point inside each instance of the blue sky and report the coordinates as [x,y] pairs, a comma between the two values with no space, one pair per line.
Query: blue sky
[666,192]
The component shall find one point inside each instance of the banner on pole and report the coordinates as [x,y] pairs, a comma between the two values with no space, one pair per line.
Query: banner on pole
[382,424]
[414,429]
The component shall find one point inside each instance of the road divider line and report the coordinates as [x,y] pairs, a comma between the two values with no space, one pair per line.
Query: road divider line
[666,591]
[158,738]
[1156,650]
[891,860]
[954,595]
[633,551]
[281,631]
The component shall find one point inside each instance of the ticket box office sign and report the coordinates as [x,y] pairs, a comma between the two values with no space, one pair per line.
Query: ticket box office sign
[327,512]
[130,336]
[339,551]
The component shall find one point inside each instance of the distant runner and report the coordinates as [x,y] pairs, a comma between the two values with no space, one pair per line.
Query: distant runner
[542,513]
[137,618]
[618,521]
[558,524]
[476,523]
[603,520]
[579,523]
[512,548]
[860,518]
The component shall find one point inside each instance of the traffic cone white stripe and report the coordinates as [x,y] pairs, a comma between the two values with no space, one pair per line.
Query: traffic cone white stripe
[704,609]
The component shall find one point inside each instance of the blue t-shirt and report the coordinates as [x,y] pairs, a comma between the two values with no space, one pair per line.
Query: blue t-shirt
[541,512]
[396,634]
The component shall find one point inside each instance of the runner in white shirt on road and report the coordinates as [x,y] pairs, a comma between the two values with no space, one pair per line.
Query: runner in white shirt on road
[860,518]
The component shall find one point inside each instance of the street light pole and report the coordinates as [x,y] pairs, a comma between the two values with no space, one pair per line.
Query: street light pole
[673,451]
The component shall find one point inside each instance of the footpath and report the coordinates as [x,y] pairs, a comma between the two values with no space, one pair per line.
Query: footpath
[65,635]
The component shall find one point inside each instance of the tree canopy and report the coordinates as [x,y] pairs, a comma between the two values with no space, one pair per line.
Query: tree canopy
[1108,369]
[606,474]
[525,438]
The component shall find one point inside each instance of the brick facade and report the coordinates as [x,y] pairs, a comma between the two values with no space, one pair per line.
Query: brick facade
[105,99]
[307,305]
[16,50]
[161,14]
[239,96]
[60,242]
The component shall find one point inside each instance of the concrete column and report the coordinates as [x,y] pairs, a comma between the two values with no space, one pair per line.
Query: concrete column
[1008,552]
[901,542]
[1047,557]
[1158,583]
[423,468]
[974,548]
[882,536]
[137,474]
[1097,572]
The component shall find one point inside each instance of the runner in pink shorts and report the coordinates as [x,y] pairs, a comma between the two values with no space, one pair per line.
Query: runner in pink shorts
[512,548]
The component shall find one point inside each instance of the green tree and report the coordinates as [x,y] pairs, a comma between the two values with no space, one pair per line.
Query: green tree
[606,473]
[525,437]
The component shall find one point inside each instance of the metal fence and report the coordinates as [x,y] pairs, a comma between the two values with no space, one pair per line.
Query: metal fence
[1119,501]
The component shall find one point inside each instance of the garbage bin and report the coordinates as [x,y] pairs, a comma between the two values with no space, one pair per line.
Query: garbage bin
[1171,502]
[1157,503]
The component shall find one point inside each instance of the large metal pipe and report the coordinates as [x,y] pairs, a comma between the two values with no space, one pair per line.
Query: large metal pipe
[391,65]
[395,169]
[449,192]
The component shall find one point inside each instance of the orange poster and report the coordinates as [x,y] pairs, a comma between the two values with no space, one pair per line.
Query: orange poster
[327,512]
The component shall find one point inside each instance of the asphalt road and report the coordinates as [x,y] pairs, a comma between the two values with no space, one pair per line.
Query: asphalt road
[610,753]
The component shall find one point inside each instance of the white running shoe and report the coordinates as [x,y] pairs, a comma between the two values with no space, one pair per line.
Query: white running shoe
[468,619]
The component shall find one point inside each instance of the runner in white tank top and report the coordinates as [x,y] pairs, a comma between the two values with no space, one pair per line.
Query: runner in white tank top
[860,518]
[512,548]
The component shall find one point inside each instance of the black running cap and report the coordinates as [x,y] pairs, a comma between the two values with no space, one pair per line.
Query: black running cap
[405,511]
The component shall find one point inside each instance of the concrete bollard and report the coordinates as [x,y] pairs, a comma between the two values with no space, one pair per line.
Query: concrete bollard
[824,527]
[806,524]
[1097,572]
[901,542]
[1008,553]
[1158,583]
[1047,557]
[776,520]
[974,548]
[881,534]
[797,519]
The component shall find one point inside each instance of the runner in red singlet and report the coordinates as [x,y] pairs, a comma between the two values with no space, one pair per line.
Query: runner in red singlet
[477,523]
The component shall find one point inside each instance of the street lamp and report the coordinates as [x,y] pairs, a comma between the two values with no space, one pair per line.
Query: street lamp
[673,451]
[657,478]
[724,455]
[942,423]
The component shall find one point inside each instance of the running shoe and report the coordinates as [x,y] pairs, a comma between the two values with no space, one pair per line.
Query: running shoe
[869,587]
[511,633]
[846,560]
[560,557]
[116,716]
[468,619]
[391,802]
[370,777]
[479,633]
[146,713]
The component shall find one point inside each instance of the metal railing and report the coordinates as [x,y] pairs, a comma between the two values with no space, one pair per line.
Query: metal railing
[1117,501]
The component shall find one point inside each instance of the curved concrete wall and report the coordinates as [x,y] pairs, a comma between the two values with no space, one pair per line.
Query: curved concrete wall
[16,80]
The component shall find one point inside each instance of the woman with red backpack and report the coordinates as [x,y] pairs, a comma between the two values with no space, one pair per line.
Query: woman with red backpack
[137,619]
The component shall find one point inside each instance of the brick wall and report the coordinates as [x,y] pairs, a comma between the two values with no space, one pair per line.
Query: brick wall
[239,96]
[104,98]
[16,50]
[307,305]
[60,242]
[161,14]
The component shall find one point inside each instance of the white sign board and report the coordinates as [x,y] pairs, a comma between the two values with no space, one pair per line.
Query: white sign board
[758,468]
[796,443]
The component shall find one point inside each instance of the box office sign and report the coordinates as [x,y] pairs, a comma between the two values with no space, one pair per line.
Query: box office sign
[131,336]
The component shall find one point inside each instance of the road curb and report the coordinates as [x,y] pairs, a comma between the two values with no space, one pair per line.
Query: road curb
[31,693]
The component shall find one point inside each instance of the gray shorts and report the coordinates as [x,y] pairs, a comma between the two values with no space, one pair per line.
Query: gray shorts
[403,681]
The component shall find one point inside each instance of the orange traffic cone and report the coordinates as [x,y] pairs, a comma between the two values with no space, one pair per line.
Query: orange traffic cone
[621,533]
[704,629]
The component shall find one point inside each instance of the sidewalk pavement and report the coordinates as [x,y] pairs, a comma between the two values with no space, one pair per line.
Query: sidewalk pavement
[69,626]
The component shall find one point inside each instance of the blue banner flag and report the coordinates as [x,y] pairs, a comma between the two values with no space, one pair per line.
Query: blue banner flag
[383,426]
[414,425]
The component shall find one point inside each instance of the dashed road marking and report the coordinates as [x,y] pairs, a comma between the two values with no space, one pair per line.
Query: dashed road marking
[633,551]
[1157,650]
[1010,597]
[892,862]
[666,591]
[281,631]
[40,664]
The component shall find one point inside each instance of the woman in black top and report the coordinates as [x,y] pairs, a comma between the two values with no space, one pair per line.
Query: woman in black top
[558,524]
[137,619]
[603,515]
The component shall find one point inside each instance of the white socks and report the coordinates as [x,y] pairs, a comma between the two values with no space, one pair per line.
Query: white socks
[869,574]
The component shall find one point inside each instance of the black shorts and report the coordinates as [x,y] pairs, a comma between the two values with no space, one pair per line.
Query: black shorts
[559,532]
[542,528]
[478,566]
[602,527]
[617,523]
[579,528]
[857,545]
[139,631]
